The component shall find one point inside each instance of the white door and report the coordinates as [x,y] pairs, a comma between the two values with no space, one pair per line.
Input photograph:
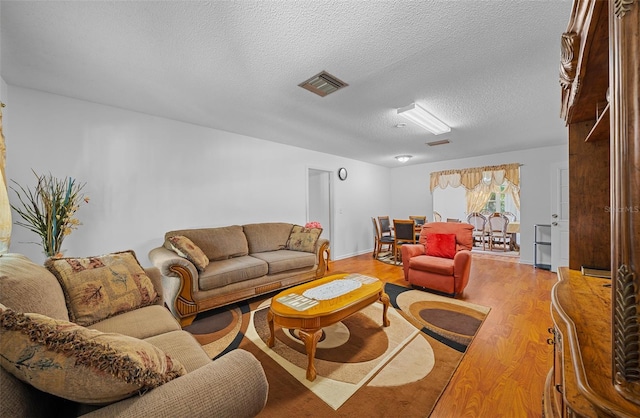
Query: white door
[319,200]
[559,216]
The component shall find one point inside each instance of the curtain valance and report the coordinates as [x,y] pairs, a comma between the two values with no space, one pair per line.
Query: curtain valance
[470,178]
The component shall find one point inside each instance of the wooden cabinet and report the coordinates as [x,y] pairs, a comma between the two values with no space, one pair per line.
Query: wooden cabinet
[624,34]
[596,330]
[584,78]
[580,381]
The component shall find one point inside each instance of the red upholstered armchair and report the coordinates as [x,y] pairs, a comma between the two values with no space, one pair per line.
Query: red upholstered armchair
[441,261]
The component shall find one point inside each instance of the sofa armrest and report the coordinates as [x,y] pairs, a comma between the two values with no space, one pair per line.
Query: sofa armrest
[156,279]
[179,281]
[408,251]
[233,386]
[461,269]
[322,256]
[165,259]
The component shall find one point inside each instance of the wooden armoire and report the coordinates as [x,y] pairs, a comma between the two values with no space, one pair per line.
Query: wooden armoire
[596,321]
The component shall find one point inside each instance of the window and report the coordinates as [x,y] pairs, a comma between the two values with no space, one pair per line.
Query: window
[487,189]
[501,202]
[496,202]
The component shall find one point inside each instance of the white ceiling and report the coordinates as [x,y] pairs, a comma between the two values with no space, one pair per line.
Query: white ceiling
[489,69]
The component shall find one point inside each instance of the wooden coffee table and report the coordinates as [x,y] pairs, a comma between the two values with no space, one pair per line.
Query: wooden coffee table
[310,321]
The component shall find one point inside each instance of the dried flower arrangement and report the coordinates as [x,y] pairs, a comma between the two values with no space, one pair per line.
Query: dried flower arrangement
[49,209]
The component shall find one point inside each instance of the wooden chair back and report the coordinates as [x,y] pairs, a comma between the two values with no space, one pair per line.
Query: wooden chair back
[512,217]
[498,223]
[498,230]
[385,225]
[478,221]
[404,233]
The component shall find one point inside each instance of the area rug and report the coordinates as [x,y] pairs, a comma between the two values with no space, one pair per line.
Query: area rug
[387,257]
[513,256]
[363,369]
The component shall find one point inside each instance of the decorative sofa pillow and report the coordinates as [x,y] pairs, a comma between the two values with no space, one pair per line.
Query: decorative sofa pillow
[441,245]
[219,243]
[96,288]
[303,239]
[80,364]
[185,248]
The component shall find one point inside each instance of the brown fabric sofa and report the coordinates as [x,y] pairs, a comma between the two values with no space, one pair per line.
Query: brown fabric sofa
[244,261]
[233,385]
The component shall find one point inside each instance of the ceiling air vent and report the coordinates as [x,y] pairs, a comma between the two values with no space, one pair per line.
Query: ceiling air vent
[434,143]
[323,84]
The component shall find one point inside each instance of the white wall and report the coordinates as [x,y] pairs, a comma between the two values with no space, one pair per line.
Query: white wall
[410,187]
[450,203]
[147,175]
[3,91]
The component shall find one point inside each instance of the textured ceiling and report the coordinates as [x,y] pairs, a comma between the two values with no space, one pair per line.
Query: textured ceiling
[489,69]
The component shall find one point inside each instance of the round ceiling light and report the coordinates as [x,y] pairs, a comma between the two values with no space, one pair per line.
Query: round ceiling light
[404,158]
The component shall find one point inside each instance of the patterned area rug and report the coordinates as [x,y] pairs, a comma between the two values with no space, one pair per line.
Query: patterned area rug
[496,251]
[387,257]
[364,369]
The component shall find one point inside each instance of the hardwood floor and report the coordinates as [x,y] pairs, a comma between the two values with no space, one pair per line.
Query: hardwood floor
[504,369]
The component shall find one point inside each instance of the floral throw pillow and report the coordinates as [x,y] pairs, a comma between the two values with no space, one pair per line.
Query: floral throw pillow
[441,245]
[303,239]
[80,364]
[185,248]
[96,288]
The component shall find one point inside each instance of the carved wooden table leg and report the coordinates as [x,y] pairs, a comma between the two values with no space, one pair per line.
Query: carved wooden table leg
[272,335]
[311,338]
[384,298]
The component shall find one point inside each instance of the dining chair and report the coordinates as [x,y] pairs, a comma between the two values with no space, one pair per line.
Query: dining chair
[380,241]
[498,230]
[512,217]
[419,221]
[385,226]
[405,233]
[479,222]
[453,220]
[437,217]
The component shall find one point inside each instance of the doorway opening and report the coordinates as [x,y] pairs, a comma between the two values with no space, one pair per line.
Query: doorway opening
[320,200]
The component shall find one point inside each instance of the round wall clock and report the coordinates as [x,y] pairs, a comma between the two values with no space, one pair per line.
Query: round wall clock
[342,173]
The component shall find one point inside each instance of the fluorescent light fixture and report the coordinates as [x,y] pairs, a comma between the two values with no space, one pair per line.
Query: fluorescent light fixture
[420,116]
[404,158]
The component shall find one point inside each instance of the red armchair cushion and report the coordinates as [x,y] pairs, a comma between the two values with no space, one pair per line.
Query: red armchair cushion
[438,265]
[441,245]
